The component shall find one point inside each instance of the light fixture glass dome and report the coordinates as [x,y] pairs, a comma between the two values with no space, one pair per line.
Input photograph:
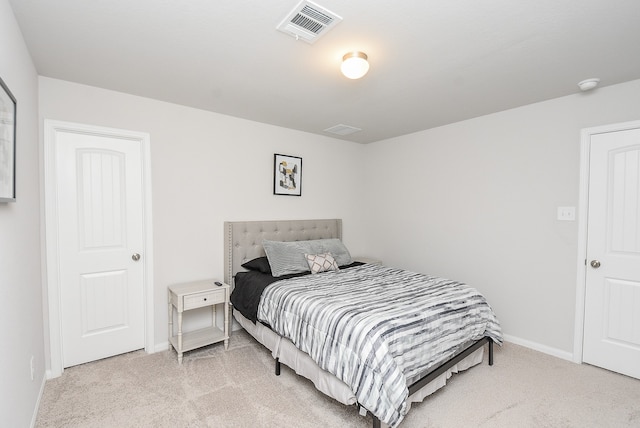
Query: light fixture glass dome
[354,65]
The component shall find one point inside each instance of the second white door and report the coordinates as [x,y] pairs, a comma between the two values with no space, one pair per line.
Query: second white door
[612,295]
[100,230]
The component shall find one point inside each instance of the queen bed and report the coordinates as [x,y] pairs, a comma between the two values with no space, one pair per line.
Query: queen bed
[364,334]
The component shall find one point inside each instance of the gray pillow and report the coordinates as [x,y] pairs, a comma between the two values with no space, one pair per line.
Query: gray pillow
[337,250]
[289,257]
[286,257]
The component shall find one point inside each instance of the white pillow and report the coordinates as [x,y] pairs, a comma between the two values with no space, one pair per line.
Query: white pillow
[321,262]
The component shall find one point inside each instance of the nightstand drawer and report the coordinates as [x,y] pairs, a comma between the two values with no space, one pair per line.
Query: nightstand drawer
[206,298]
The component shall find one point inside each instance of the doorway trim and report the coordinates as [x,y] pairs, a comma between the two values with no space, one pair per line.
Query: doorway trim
[583,222]
[51,128]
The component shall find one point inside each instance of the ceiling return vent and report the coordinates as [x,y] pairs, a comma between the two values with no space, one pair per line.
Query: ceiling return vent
[342,129]
[308,21]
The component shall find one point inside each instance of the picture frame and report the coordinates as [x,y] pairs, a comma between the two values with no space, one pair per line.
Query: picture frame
[8,109]
[287,175]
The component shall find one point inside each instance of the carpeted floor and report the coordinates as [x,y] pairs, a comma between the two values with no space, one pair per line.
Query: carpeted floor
[237,388]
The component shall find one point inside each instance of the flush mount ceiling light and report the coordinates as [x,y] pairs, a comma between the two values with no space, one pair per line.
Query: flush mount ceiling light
[354,65]
[588,84]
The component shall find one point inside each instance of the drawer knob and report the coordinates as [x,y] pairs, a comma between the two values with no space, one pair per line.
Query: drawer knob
[205,299]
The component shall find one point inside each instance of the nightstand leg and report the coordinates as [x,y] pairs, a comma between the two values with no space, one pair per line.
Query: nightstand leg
[179,338]
[226,324]
[214,323]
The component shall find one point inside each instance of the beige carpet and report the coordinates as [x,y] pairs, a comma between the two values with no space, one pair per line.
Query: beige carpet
[237,388]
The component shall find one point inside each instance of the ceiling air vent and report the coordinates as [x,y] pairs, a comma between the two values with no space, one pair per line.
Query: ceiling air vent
[308,21]
[342,130]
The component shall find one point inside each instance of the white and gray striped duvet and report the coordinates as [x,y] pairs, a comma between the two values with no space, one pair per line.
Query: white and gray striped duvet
[377,328]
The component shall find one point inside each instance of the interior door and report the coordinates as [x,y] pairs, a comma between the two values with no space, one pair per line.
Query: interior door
[100,229]
[612,295]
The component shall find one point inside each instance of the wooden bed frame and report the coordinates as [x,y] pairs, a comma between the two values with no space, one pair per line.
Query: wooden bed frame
[243,242]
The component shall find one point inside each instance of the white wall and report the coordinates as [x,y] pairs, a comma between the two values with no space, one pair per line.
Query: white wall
[20,274]
[477,201]
[209,168]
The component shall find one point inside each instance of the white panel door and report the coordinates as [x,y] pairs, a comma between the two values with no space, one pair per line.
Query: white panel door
[612,296]
[100,205]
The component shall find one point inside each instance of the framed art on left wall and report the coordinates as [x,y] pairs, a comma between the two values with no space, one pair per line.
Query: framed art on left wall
[7,144]
[287,175]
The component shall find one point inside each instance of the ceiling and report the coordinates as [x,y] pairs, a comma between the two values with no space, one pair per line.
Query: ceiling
[432,62]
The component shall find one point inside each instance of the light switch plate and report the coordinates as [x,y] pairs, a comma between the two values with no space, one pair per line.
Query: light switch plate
[566,213]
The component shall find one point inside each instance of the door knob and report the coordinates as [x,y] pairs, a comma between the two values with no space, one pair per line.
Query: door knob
[595,264]
[136,257]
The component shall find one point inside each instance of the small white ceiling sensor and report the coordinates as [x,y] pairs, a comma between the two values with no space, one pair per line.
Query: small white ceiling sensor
[588,84]
[308,21]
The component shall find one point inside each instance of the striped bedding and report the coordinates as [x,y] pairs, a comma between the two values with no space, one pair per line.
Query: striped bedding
[378,328]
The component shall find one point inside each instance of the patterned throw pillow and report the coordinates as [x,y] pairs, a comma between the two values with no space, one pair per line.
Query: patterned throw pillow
[321,262]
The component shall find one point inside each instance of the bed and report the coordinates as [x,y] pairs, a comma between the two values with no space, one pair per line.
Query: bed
[382,391]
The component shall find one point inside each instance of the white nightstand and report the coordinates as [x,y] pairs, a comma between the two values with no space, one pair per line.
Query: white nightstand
[194,295]
[367,260]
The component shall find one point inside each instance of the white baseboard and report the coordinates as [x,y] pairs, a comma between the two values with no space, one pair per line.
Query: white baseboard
[37,406]
[160,347]
[540,348]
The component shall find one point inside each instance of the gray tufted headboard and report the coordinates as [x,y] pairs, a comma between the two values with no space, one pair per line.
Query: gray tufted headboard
[243,239]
